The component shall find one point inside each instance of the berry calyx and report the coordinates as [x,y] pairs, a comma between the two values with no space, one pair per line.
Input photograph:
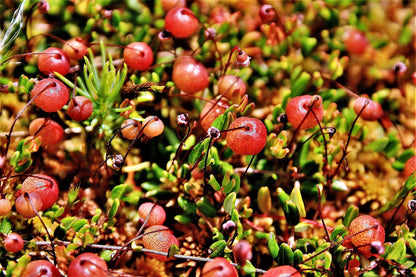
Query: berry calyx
[231,86]
[130,128]
[49,131]
[51,95]
[159,238]
[23,206]
[157,214]
[152,126]
[372,110]
[53,60]
[181,22]
[298,107]
[79,108]
[40,268]
[87,265]
[219,267]
[362,239]
[138,56]
[44,186]
[13,242]
[282,271]
[75,48]
[189,75]
[211,111]
[246,136]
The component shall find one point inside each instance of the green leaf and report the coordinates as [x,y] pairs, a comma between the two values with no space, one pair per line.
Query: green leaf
[205,206]
[308,43]
[214,183]
[338,232]
[300,84]
[5,226]
[106,255]
[67,222]
[249,269]
[183,218]
[79,224]
[406,189]
[59,233]
[264,200]
[118,191]
[272,245]
[379,144]
[352,212]
[229,202]
[173,250]
[397,251]
[296,198]
[297,257]
[285,255]
[188,206]
[217,248]
[114,208]
[292,214]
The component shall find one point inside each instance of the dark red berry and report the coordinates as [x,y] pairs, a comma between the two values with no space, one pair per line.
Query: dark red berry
[157,216]
[80,108]
[190,75]
[87,265]
[298,107]
[219,267]
[51,95]
[249,136]
[138,56]
[40,268]
[267,13]
[48,130]
[44,186]
[13,242]
[372,111]
[159,238]
[53,60]
[181,22]
[242,252]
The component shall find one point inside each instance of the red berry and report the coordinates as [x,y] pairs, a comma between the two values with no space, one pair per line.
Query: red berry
[181,22]
[44,186]
[229,85]
[53,60]
[75,48]
[414,78]
[362,241]
[373,110]
[355,42]
[242,252]
[130,128]
[80,108]
[170,4]
[282,271]
[40,268]
[138,55]
[13,242]
[189,75]
[219,267]
[152,126]
[409,167]
[159,238]
[5,206]
[53,95]
[211,111]
[87,265]
[48,130]
[250,137]
[298,107]
[157,217]
[24,207]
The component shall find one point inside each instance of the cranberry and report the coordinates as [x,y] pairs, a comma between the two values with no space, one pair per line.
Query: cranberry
[189,75]
[51,95]
[130,128]
[75,48]
[229,85]
[41,268]
[282,271]
[44,186]
[170,4]
[159,238]
[138,56]
[298,107]
[355,42]
[181,22]
[362,240]
[409,167]
[157,217]
[242,252]
[249,136]
[24,207]
[372,111]
[87,265]
[80,108]
[5,206]
[53,60]
[211,111]
[13,242]
[219,267]
[152,126]
[48,130]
